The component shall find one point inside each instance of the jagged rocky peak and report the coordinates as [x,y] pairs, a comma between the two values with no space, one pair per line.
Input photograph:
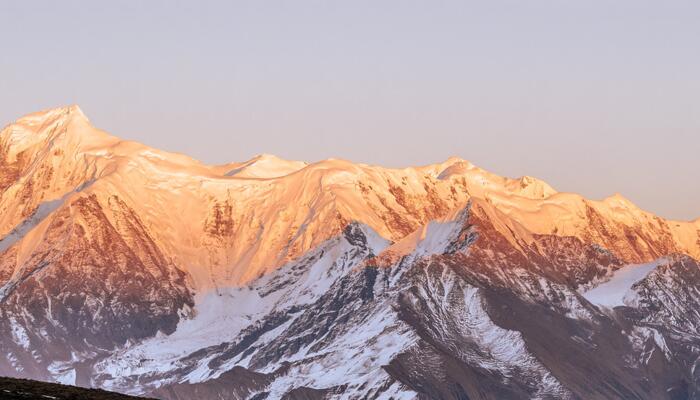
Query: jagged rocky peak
[41,119]
[61,124]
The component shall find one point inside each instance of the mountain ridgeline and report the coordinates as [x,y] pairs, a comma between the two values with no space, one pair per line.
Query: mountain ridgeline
[148,273]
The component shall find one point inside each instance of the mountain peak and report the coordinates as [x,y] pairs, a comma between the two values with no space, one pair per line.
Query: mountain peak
[268,157]
[52,115]
[265,166]
[74,110]
[451,166]
[617,200]
[532,187]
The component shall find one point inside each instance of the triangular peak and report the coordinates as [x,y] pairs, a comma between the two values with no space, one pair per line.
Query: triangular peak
[266,166]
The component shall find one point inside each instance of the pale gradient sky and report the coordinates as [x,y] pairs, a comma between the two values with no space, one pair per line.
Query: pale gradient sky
[593,96]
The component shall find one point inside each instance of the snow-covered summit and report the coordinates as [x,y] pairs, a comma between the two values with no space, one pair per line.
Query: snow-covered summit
[265,166]
[216,220]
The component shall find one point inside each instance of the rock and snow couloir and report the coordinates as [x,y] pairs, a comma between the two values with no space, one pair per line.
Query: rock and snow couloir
[144,271]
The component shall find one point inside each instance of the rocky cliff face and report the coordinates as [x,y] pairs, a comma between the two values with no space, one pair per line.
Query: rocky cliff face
[144,272]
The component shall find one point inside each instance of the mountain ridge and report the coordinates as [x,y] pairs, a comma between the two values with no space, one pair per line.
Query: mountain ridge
[143,271]
[330,193]
[441,168]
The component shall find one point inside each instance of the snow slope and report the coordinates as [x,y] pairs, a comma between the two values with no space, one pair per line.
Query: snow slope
[613,292]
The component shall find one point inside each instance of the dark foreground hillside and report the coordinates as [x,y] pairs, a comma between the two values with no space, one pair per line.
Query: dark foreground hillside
[11,389]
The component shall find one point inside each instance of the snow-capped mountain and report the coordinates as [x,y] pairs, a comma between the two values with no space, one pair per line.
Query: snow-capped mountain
[146,272]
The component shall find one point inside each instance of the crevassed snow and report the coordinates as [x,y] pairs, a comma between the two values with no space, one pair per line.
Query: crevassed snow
[613,292]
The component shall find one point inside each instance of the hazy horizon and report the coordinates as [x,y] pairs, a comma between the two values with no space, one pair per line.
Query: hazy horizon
[593,98]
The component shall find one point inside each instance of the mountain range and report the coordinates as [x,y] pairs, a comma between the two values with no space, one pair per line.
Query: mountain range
[135,270]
